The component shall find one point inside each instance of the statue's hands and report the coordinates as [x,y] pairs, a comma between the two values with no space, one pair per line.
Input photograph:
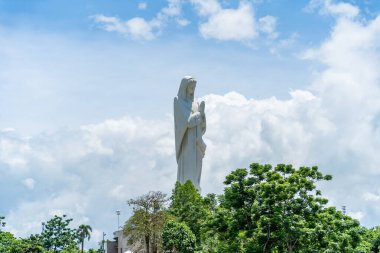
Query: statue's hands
[194,119]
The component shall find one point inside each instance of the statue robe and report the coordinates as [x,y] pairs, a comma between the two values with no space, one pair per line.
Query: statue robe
[189,157]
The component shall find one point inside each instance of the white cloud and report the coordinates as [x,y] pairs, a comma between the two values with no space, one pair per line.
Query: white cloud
[182,22]
[233,24]
[13,151]
[351,58]
[173,9]
[371,196]
[348,86]
[284,44]
[142,6]
[29,183]
[356,215]
[267,25]
[64,202]
[230,24]
[139,28]
[339,9]
[207,7]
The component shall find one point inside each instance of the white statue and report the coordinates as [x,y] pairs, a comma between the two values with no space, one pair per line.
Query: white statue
[190,125]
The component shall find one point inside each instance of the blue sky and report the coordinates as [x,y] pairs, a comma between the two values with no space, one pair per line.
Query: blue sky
[86,91]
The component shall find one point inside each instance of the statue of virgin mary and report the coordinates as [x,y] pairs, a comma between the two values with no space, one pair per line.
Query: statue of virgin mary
[190,125]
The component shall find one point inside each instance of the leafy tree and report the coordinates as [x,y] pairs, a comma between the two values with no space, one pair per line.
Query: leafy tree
[335,232]
[10,244]
[95,251]
[147,221]
[279,209]
[178,238]
[188,206]
[57,234]
[72,248]
[7,240]
[84,231]
[371,239]
[32,244]
[375,239]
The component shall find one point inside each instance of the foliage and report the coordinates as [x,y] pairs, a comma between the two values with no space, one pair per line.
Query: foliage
[372,239]
[177,237]
[279,209]
[7,241]
[95,251]
[72,248]
[188,206]
[375,239]
[335,232]
[145,225]
[83,232]
[57,235]
[10,244]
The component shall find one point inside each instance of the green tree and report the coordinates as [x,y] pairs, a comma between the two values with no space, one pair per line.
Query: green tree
[178,238]
[279,209]
[32,244]
[375,239]
[7,241]
[188,206]
[72,248]
[57,234]
[146,223]
[95,251]
[335,232]
[10,244]
[371,239]
[84,232]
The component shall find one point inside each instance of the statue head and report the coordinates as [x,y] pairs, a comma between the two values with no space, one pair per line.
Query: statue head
[187,88]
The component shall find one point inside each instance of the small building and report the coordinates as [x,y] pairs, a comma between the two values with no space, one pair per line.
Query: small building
[119,245]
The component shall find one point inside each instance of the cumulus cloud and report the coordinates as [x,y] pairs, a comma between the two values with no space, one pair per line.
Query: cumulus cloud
[267,25]
[371,196]
[173,9]
[230,24]
[283,44]
[351,57]
[206,8]
[29,183]
[91,170]
[233,24]
[349,87]
[139,28]
[356,215]
[13,151]
[142,6]
[182,22]
[339,9]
